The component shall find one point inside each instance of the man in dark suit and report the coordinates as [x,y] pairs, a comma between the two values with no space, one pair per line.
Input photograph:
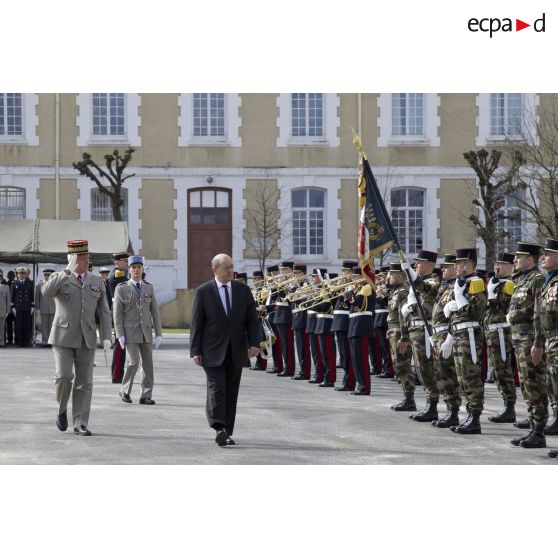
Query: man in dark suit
[224,334]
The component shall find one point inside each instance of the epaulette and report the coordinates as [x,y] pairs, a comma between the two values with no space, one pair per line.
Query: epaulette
[146,282]
[432,282]
[508,287]
[476,286]
[366,290]
[120,284]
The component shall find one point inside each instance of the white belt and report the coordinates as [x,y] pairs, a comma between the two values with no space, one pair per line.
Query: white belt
[311,311]
[382,311]
[492,327]
[417,323]
[325,316]
[355,314]
[282,304]
[427,342]
[343,312]
[437,329]
[470,327]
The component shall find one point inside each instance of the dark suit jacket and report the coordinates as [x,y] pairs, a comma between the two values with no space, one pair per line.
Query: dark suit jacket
[211,330]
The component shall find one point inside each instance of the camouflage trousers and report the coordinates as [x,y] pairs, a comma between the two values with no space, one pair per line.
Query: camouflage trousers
[425,365]
[502,369]
[551,350]
[444,368]
[401,363]
[469,374]
[535,390]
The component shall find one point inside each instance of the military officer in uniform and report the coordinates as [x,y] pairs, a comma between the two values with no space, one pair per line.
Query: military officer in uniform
[73,337]
[546,326]
[118,275]
[384,366]
[498,335]
[136,313]
[465,339]
[258,279]
[311,319]
[23,307]
[45,307]
[398,335]
[299,328]
[270,306]
[283,319]
[5,308]
[361,326]
[420,340]
[528,282]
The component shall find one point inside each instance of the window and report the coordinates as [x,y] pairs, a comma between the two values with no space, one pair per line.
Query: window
[209,207]
[209,115]
[407,114]
[407,215]
[509,221]
[506,113]
[101,206]
[12,203]
[308,221]
[307,114]
[108,114]
[11,114]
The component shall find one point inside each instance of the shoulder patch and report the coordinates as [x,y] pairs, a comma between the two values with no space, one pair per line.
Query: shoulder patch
[508,287]
[476,286]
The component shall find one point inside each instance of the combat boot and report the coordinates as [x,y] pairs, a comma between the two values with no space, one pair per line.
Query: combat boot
[552,427]
[523,424]
[535,439]
[407,404]
[507,414]
[471,425]
[451,418]
[517,441]
[429,413]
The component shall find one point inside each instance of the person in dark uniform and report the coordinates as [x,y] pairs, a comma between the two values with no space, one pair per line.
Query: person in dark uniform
[276,350]
[258,279]
[326,340]
[10,318]
[340,328]
[118,275]
[384,366]
[283,319]
[23,307]
[299,327]
[311,318]
[361,324]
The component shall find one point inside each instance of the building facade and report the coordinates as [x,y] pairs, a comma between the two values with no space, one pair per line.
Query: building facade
[202,161]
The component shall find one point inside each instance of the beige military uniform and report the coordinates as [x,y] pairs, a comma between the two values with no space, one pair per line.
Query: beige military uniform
[46,308]
[74,337]
[134,319]
[4,309]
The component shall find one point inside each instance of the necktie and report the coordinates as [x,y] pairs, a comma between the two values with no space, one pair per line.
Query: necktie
[79,279]
[227,300]
[138,290]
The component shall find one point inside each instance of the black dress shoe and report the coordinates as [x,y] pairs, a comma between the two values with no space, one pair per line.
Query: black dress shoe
[344,388]
[230,442]
[360,392]
[283,374]
[273,371]
[125,397]
[325,384]
[222,437]
[298,377]
[313,381]
[147,401]
[62,421]
[81,430]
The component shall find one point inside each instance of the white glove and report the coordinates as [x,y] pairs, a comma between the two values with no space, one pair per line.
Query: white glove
[406,309]
[450,307]
[157,341]
[459,294]
[72,262]
[32,311]
[492,288]
[447,345]
[122,341]
[106,345]
[508,317]
[14,312]
[406,266]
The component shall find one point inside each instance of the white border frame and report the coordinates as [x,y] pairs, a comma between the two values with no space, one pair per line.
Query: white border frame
[30,121]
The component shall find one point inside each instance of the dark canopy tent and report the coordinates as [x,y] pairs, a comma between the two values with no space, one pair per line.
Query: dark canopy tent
[44,240]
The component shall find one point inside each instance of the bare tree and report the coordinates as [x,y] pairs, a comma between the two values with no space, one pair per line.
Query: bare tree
[114,175]
[495,182]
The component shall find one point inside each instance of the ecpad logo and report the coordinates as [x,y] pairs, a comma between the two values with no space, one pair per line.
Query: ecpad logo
[494,25]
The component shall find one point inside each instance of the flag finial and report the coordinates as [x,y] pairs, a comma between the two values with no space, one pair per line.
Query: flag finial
[358,142]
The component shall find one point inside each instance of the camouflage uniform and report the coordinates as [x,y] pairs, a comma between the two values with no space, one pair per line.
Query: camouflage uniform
[546,331]
[468,368]
[397,330]
[499,339]
[423,357]
[527,286]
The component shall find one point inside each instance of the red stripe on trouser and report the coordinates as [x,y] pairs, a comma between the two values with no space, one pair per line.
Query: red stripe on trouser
[290,350]
[319,364]
[307,357]
[365,364]
[277,350]
[330,356]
